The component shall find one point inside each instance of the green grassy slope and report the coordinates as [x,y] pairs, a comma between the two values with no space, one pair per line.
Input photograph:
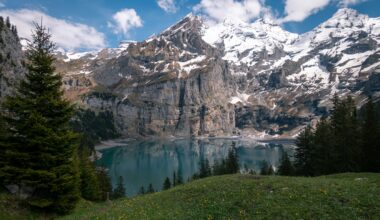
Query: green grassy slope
[343,196]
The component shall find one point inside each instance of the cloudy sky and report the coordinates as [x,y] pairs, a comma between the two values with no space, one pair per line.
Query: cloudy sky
[91,24]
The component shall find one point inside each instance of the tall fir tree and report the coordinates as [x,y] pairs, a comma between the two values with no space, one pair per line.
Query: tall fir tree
[232,161]
[3,144]
[41,149]
[270,170]
[286,167]
[324,157]
[89,183]
[167,184]
[119,191]
[141,190]
[219,167]
[104,184]
[179,177]
[8,22]
[1,22]
[346,135]
[174,178]
[266,168]
[150,189]
[303,152]
[204,168]
[370,132]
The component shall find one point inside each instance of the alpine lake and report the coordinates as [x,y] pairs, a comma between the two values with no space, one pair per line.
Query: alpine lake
[144,162]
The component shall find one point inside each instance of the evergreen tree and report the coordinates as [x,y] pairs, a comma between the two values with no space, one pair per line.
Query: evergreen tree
[104,184]
[194,177]
[41,149]
[232,161]
[2,146]
[323,160]
[264,168]
[179,177]
[346,135]
[167,184]
[216,168]
[142,190]
[1,22]
[204,168]
[89,183]
[14,31]
[174,179]
[303,152]
[220,167]
[341,143]
[270,170]
[150,189]
[286,167]
[8,22]
[119,191]
[370,132]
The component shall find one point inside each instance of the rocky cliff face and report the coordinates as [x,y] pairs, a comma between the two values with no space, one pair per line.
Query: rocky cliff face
[230,78]
[11,56]
[174,84]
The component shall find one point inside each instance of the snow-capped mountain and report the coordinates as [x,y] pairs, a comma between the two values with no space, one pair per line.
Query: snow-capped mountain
[196,79]
[248,44]
[340,46]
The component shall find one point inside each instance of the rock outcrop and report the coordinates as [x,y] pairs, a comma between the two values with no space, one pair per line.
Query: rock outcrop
[11,59]
[174,84]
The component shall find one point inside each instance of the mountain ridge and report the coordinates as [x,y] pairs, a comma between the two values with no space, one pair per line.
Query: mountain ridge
[233,78]
[275,80]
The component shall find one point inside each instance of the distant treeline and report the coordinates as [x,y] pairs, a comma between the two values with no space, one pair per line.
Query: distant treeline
[94,127]
[347,141]
[228,165]
[7,23]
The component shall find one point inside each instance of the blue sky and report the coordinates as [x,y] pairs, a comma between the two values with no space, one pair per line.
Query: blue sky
[91,24]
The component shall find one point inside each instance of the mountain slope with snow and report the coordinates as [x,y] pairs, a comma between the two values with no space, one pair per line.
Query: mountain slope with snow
[196,79]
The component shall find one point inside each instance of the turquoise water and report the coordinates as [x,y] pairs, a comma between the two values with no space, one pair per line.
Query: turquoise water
[144,162]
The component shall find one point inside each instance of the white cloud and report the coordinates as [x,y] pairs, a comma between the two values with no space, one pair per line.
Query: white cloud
[167,5]
[124,21]
[346,3]
[299,10]
[66,34]
[219,10]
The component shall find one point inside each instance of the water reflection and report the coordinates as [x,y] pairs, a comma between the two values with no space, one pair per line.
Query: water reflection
[144,162]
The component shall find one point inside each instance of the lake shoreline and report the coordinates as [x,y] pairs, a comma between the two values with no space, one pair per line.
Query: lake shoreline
[142,162]
[117,142]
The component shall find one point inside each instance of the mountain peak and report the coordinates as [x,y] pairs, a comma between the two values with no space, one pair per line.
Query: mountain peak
[268,21]
[345,18]
[346,12]
[126,43]
[190,16]
[190,21]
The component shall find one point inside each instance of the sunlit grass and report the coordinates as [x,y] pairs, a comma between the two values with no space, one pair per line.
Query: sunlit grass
[343,196]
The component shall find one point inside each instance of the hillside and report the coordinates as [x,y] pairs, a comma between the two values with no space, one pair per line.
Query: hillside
[342,196]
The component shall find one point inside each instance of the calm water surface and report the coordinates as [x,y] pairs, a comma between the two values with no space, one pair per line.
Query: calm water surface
[144,162]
